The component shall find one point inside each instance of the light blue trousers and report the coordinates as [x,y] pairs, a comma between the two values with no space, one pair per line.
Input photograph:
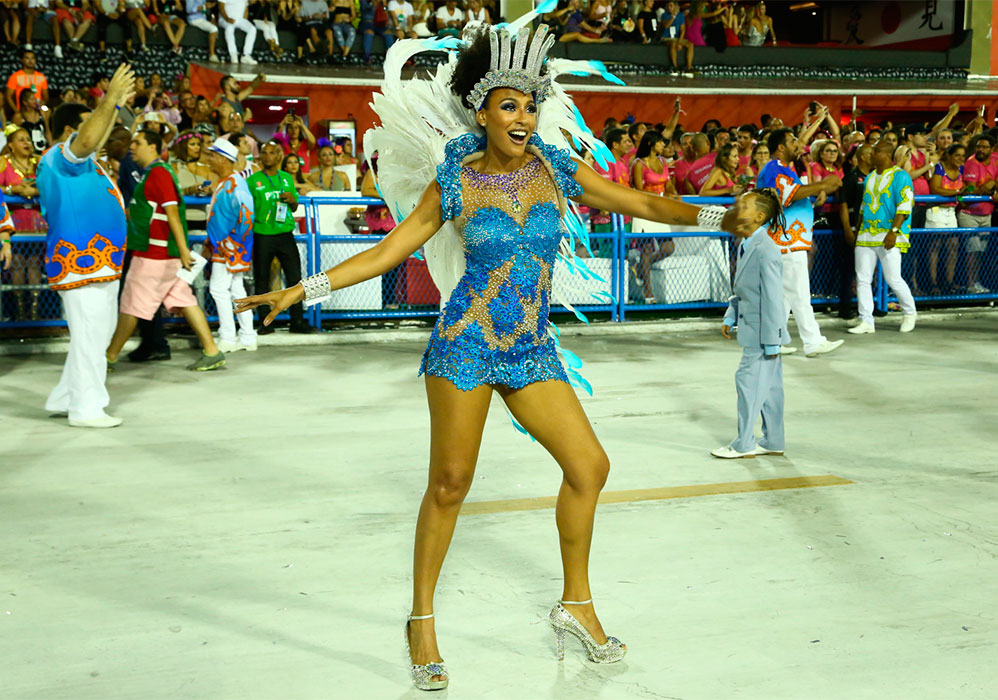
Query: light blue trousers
[760,390]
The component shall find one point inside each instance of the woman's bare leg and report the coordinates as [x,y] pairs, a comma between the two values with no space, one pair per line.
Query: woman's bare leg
[456,421]
[550,411]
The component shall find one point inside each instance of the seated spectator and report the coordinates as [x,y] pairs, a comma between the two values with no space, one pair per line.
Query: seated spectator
[324,177]
[233,15]
[197,17]
[574,26]
[46,10]
[313,17]
[647,22]
[947,181]
[758,27]
[296,138]
[344,13]
[600,14]
[287,11]
[673,23]
[721,180]
[375,20]
[112,12]
[424,20]
[292,166]
[135,11]
[622,25]
[450,19]
[477,16]
[404,14]
[10,16]
[168,16]
[187,108]
[263,15]
[75,18]
[161,105]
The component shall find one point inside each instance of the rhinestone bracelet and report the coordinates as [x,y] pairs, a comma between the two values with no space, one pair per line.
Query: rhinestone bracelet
[317,288]
[710,217]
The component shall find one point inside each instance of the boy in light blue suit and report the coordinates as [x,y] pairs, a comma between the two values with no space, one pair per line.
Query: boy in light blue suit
[758,310]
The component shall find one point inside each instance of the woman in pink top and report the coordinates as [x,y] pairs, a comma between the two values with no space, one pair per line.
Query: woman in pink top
[760,156]
[18,167]
[651,174]
[721,180]
[296,138]
[947,181]
[827,161]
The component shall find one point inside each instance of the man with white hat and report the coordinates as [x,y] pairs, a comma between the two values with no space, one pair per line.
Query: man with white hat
[230,235]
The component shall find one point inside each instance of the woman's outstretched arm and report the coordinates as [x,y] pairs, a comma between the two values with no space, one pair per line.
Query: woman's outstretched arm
[609,196]
[406,238]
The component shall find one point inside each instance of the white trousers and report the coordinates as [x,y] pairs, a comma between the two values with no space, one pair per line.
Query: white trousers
[204,25]
[230,35]
[797,298]
[92,314]
[268,28]
[224,287]
[866,265]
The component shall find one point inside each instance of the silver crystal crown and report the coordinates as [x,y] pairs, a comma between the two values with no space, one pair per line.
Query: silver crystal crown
[513,66]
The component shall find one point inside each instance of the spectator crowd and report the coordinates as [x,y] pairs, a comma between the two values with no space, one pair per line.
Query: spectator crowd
[946,158]
[327,31]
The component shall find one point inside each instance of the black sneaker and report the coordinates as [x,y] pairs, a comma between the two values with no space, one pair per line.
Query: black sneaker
[144,354]
[264,330]
[303,329]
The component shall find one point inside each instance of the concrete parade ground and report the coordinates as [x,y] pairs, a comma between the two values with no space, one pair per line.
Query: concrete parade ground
[247,533]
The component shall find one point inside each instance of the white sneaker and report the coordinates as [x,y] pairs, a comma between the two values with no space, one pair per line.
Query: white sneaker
[229,346]
[861,328]
[102,422]
[787,349]
[760,450]
[729,452]
[825,347]
[978,288]
[213,59]
[908,323]
[58,51]
[248,60]
[248,348]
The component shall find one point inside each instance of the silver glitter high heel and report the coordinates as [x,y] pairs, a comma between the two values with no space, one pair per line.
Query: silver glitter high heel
[563,621]
[422,674]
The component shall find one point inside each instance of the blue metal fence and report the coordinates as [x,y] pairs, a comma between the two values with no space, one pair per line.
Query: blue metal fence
[653,270]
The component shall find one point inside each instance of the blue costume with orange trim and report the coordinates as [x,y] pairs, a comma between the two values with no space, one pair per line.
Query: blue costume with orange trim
[85,212]
[799,215]
[230,224]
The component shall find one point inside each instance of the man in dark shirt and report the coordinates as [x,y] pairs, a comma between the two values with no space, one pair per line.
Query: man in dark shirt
[188,109]
[850,209]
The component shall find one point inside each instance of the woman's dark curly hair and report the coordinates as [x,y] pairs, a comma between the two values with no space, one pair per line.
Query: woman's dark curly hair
[473,62]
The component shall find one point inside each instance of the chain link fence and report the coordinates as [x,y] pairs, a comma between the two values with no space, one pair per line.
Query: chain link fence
[637,267]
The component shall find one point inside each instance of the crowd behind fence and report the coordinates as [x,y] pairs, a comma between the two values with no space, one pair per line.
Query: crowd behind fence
[630,272]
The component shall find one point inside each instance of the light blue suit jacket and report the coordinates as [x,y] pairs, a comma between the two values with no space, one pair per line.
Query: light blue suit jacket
[757,308]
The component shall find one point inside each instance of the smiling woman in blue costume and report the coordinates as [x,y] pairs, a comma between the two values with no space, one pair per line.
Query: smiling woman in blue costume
[498,199]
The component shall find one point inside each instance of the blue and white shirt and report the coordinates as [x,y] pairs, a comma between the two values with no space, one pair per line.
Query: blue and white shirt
[799,215]
[85,212]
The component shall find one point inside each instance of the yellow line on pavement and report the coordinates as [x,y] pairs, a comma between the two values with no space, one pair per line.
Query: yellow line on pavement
[660,494]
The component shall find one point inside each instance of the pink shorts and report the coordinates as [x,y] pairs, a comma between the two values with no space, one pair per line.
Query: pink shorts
[150,283]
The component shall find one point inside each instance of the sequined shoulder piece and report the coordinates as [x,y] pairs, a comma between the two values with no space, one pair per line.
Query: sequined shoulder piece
[449,172]
[563,168]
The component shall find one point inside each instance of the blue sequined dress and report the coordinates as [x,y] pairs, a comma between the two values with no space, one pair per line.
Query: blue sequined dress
[494,328]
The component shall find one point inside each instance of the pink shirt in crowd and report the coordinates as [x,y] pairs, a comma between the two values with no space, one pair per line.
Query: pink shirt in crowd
[921,184]
[680,169]
[650,181]
[974,172]
[700,171]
